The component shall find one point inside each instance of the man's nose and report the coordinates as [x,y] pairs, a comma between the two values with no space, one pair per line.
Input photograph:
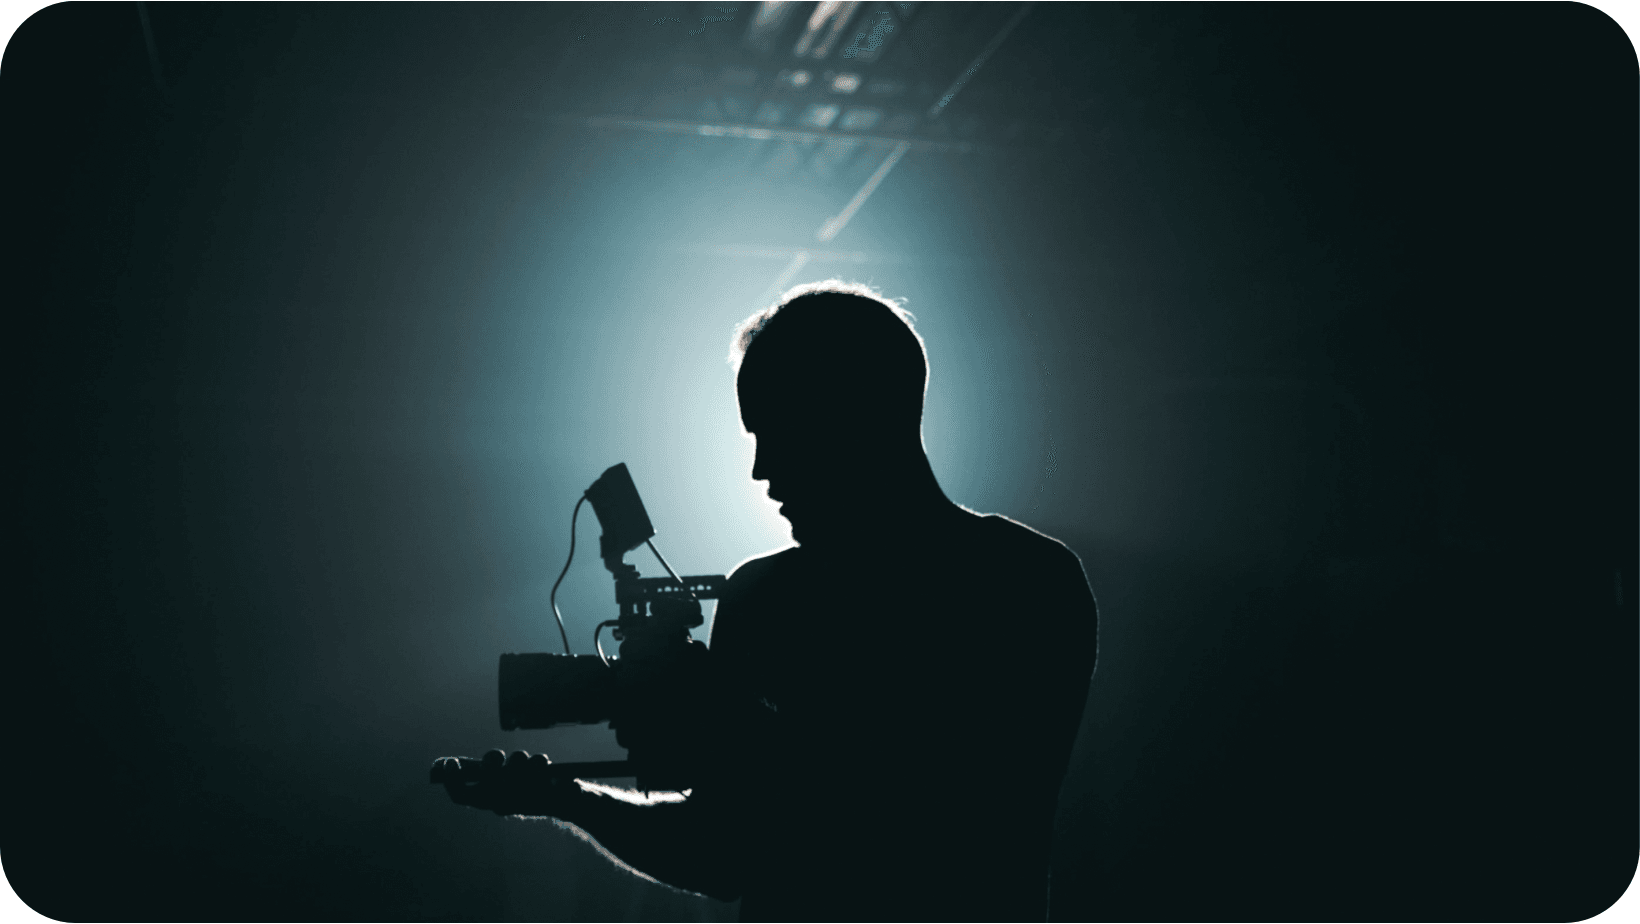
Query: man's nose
[769,461]
[760,461]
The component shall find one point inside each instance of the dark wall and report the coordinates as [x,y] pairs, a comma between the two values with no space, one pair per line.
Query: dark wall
[1316,331]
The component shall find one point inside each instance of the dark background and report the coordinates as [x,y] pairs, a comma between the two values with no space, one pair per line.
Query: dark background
[1311,329]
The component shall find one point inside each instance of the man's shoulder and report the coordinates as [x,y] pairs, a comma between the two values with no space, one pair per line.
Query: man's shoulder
[1057,581]
[753,586]
[757,571]
[1015,538]
[1005,543]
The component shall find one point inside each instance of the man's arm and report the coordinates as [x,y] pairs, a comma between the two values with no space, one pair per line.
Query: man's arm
[683,841]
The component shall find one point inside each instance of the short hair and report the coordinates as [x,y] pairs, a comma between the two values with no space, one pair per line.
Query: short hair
[831,349]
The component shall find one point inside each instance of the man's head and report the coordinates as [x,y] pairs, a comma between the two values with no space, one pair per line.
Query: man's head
[831,384]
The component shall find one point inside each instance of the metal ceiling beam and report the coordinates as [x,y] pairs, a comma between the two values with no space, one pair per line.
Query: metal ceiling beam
[765,133]
[962,80]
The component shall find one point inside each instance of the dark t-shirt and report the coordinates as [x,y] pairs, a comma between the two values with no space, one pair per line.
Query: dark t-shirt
[913,716]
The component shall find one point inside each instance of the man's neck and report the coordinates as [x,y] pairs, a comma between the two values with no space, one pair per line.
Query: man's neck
[903,506]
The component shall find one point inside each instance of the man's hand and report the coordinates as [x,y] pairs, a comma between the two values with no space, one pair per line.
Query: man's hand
[515,784]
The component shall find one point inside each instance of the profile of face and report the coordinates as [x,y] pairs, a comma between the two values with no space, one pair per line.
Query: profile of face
[818,475]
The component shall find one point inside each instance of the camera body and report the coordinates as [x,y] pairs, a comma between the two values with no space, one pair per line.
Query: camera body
[654,690]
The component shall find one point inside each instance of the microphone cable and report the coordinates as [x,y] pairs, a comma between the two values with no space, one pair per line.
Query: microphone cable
[553,597]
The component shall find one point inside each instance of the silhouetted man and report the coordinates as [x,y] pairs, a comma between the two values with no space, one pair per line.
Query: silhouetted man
[896,696]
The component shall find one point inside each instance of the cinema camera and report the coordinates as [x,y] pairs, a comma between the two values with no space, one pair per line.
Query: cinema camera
[650,693]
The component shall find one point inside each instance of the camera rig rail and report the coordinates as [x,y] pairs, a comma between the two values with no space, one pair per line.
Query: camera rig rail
[635,591]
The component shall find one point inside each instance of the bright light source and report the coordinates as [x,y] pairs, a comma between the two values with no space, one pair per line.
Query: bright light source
[845,83]
[837,14]
[795,79]
[819,115]
[771,15]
